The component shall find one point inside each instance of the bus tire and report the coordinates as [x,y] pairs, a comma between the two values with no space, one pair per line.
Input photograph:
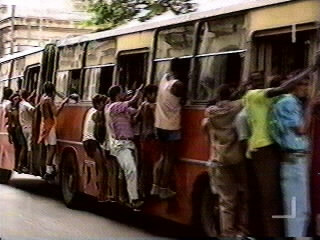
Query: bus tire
[69,182]
[5,176]
[209,213]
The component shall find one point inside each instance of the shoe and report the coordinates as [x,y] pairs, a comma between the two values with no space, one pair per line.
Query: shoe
[49,176]
[136,205]
[25,170]
[166,193]
[155,190]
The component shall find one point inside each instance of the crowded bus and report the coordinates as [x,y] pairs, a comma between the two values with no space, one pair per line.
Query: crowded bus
[134,116]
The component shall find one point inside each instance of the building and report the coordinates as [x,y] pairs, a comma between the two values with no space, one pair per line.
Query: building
[23,26]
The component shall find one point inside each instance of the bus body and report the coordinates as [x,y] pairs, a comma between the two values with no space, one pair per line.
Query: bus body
[218,46]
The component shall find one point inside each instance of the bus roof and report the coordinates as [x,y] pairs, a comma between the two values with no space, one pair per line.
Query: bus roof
[21,54]
[217,9]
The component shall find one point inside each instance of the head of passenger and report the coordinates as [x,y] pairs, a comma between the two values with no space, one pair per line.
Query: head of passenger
[7,92]
[115,94]
[24,94]
[49,89]
[224,92]
[301,90]
[15,99]
[257,80]
[98,102]
[274,81]
[177,68]
[150,93]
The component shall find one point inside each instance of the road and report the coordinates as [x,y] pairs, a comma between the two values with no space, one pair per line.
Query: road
[32,209]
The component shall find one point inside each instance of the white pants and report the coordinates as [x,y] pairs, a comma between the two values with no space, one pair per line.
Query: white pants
[124,151]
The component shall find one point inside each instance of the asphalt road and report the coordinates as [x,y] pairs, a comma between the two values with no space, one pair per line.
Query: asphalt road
[32,209]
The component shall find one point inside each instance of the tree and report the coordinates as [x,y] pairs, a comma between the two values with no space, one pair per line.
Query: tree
[107,14]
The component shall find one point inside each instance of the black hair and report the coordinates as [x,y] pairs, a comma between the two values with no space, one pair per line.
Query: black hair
[24,94]
[176,66]
[114,91]
[224,92]
[97,99]
[49,88]
[275,81]
[7,92]
[150,89]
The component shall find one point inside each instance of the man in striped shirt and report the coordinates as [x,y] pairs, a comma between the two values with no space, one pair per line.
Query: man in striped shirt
[119,123]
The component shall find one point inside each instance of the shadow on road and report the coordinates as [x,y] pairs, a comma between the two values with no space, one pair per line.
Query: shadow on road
[154,225]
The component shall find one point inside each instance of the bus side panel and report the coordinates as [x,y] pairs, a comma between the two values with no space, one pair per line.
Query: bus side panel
[69,134]
[194,144]
[7,159]
[193,147]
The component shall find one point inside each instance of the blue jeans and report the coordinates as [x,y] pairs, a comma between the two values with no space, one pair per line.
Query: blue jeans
[295,189]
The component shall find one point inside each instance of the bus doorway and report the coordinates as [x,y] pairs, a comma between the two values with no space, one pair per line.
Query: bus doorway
[133,70]
[31,78]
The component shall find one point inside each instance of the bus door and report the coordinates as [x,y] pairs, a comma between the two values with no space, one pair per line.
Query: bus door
[132,67]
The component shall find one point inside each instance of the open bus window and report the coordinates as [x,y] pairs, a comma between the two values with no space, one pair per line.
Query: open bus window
[133,70]
[279,55]
[74,84]
[97,81]
[214,71]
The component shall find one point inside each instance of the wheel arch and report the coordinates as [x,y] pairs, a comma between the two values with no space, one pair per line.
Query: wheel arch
[69,154]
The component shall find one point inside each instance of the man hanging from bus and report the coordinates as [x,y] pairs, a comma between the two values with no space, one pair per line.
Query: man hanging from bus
[228,170]
[119,115]
[171,93]
[94,135]
[47,135]
[26,111]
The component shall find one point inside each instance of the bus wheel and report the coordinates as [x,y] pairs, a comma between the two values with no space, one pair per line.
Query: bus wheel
[5,176]
[69,180]
[209,213]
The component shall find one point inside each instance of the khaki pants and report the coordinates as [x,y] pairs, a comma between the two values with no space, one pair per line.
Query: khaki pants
[230,182]
[125,152]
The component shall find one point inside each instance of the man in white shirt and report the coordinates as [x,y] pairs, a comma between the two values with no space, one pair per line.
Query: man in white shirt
[26,111]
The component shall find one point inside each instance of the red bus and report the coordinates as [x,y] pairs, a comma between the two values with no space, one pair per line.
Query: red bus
[245,37]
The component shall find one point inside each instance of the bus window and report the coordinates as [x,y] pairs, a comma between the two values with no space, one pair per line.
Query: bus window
[173,42]
[74,82]
[62,84]
[218,57]
[31,78]
[101,52]
[133,70]
[97,80]
[279,55]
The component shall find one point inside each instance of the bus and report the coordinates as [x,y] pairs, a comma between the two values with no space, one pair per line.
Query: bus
[221,45]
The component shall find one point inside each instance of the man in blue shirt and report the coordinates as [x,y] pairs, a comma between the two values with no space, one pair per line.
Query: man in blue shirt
[289,124]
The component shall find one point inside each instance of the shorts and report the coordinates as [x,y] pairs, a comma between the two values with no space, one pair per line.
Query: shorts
[51,139]
[91,146]
[27,133]
[168,135]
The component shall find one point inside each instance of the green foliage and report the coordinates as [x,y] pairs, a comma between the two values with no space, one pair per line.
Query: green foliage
[107,14]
